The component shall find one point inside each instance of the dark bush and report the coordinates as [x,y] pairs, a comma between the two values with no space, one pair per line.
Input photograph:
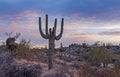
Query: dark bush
[21,71]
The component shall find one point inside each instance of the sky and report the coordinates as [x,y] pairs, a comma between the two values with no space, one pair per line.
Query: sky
[84,20]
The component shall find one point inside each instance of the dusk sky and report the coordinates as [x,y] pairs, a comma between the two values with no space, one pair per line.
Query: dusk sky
[85,20]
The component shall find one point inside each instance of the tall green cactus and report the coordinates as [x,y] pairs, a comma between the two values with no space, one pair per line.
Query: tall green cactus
[51,36]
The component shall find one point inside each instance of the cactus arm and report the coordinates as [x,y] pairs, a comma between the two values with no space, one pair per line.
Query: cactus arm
[40,30]
[46,24]
[55,26]
[60,35]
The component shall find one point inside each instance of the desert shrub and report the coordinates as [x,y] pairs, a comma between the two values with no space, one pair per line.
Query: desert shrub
[117,63]
[24,50]
[98,55]
[11,41]
[44,50]
[5,61]
[117,60]
[22,71]
[24,45]
[9,68]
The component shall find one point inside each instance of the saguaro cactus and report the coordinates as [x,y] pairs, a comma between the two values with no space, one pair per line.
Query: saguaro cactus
[51,36]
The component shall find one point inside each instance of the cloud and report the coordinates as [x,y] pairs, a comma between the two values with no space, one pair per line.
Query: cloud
[116,33]
[91,38]
[24,22]
[84,19]
[80,30]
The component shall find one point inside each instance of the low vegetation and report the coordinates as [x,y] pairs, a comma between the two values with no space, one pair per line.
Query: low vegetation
[77,60]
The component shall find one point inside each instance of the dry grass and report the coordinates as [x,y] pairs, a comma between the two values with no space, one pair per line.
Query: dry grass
[87,71]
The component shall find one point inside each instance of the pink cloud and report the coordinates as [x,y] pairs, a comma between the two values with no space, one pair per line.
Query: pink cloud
[23,22]
[91,38]
[27,24]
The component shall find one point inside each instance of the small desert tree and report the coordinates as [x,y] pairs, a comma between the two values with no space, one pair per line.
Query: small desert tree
[10,41]
[99,54]
[24,43]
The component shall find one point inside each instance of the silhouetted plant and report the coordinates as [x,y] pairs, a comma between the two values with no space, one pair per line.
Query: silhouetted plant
[10,41]
[24,44]
[51,36]
[84,45]
[61,48]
